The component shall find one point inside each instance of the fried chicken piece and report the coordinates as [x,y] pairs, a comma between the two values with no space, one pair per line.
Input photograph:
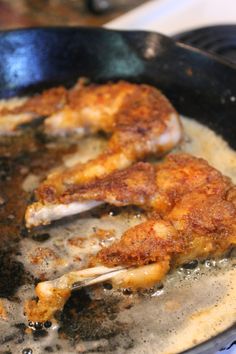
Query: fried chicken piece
[157,186]
[134,185]
[119,188]
[141,122]
[193,216]
[204,226]
[142,184]
[181,174]
[195,199]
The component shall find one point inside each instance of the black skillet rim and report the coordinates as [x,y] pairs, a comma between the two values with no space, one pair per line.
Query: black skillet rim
[223,338]
[210,55]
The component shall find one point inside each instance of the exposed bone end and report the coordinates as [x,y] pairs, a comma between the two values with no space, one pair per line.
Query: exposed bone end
[141,277]
[42,214]
[47,305]
[52,295]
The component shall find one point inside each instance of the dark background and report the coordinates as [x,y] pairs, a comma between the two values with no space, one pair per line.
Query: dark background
[27,13]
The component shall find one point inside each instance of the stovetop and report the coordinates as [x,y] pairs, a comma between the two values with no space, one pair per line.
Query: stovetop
[216,39]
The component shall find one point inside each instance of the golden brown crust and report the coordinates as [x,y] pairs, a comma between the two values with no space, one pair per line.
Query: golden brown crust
[134,185]
[58,183]
[207,223]
[146,243]
[143,115]
[98,105]
[158,187]
[231,195]
[196,201]
[182,173]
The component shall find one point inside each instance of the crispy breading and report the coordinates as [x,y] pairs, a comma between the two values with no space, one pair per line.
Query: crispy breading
[182,173]
[194,199]
[90,108]
[149,242]
[207,222]
[3,312]
[134,185]
[156,186]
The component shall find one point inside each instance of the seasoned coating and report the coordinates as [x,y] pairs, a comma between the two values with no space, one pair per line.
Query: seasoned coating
[182,173]
[151,186]
[46,103]
[207,223]
[89,108]
[134,185]
[194,199]
[46,306]
[149,242]
[202,226]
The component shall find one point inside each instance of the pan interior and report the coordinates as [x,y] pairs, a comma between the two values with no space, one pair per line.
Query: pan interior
[194,303]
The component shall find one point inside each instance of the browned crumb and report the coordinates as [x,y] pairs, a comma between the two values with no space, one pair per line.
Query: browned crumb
[46,306]
[42,254]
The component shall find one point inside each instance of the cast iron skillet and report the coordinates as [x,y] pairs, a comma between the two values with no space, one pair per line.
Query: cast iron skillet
[199,85]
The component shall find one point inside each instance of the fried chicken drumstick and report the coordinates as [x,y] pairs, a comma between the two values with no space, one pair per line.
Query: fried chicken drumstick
[138,118]
[191,214]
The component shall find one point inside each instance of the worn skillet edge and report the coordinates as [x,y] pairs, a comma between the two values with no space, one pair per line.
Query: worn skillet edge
[215,343]
[92,29]
[144,37]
